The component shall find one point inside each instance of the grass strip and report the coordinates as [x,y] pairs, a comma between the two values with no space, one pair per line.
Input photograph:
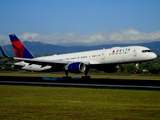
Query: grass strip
[58,103]
[100,76]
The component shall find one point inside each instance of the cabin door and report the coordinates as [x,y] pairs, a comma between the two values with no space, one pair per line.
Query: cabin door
[103,56]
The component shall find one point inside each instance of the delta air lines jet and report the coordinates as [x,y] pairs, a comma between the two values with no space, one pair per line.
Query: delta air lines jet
[80,62]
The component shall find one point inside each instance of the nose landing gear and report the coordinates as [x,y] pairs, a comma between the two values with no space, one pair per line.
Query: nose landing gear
[136,68]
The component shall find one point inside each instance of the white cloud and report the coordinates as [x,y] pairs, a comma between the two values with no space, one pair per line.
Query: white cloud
[26,36]
[4,40]
[103,37]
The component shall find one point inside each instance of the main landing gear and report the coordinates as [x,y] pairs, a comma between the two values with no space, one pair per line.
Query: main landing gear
[86,77]
[66,78]
[69,78]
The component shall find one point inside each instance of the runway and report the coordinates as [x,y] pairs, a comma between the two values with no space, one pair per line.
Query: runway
[77,82]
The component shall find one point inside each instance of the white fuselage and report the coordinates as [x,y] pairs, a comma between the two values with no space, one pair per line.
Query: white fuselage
[115,55]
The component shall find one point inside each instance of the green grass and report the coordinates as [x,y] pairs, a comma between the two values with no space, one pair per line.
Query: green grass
[93,75]
[57,103]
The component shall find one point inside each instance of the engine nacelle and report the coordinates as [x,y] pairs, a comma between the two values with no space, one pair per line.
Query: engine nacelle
[76,67]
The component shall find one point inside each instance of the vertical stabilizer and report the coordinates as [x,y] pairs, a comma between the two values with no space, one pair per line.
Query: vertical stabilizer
[3,52]
[19,48]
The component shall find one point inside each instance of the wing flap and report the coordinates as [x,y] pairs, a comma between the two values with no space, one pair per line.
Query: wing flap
[48,62]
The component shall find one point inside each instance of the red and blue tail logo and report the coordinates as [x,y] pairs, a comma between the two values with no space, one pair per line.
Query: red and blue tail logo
[19,48]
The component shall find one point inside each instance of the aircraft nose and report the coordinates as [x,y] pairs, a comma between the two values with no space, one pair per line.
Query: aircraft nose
[153,56]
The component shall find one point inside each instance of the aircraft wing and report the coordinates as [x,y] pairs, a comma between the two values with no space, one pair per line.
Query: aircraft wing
[48,62]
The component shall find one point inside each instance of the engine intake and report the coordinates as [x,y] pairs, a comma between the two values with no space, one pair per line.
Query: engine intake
[76,67]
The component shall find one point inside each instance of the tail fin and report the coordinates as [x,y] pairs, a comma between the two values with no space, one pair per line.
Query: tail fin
[3,53]
[19,48]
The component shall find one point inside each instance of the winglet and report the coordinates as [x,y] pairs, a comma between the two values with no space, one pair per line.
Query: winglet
[19,48]
[3,53]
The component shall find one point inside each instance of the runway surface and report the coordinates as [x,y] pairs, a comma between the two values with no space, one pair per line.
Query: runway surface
[77,82]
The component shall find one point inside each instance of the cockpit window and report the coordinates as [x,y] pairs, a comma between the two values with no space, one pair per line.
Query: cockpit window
[144,51]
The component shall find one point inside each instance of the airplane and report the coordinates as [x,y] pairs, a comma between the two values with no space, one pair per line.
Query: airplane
[80,62]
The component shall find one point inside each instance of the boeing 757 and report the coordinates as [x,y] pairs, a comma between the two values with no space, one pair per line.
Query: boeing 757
[80,62]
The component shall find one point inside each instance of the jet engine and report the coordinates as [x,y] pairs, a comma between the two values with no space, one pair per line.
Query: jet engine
[76,67]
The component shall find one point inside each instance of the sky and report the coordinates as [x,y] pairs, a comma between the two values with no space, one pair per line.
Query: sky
[80,22]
